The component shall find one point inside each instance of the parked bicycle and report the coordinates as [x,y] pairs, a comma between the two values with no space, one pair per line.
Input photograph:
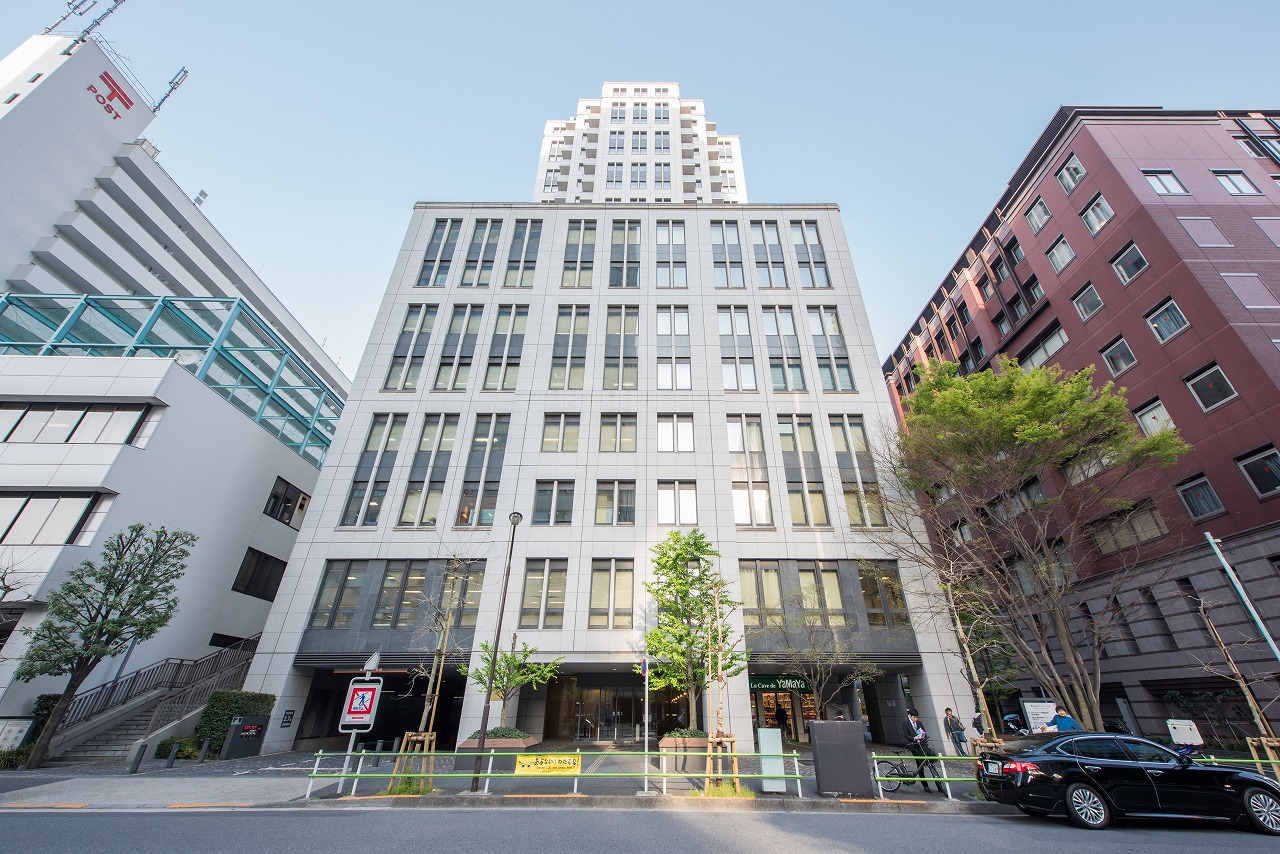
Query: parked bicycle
[897,768]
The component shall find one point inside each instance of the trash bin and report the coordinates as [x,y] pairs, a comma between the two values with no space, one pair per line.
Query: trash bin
[840,759]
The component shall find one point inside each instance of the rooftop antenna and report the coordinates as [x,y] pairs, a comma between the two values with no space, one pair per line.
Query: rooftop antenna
[97,22]
[173,85]
[73,8]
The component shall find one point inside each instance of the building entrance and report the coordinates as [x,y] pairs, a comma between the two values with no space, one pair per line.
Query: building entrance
[588,708]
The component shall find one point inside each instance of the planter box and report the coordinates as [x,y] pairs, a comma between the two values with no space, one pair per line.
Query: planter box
[685,754]
[504,764]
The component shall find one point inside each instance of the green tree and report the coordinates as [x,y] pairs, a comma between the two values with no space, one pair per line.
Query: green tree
[102,607]
[692,641]
[1029,474]
[513,671]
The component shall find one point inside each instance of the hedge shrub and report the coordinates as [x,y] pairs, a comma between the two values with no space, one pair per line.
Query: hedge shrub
[17,757]
[501,732]
[222,707]
[189,747]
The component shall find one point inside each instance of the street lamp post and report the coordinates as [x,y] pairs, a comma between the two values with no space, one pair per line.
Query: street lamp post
[516,517]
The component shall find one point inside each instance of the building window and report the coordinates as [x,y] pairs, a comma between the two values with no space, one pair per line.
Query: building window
[505,348]
[480,254]
[1087,302]
[1263,471]
[439,255]
[1128,528]
[882,594]
[726,255]
[1037,215]
[617,113]
[1166,320]
[984,288]
[259,576]
[662,142]
[829,347]
[618,432]
[751,506]
[785,367]
[1015,251]
[560,432]
[569,348]
[1049,343]
[962,311]
[1128,264]
[542,605]
[639,141]
[44,519]
[428,470]
[1034,290]
[805,494]
[459,348]
[1199,498]
[737,362]
[1017,308]
[339,593]
[287,503]
[373,470]
[613,176]
[624,255]
[662,176]
[809,254]
[1236,183]
[70,423]
[1119,357]
[403,589]
[1071,174]
[411,348]
[979,349]
[1097,214]
[725,150]
[674,368]
[612,592]
[523,257]
[483,471]
[999,271]
[661,113]
[1164,182]
[675,431]
[549,181]
[621,364]
[671,270]
[761,585]
[820,593]
[677,502]
[1060,254]
[639,176]
[617,141]
[553,502]
[640,112]
[1153,418]
[579,254]
[615,502]
[766,243]
[1211,388]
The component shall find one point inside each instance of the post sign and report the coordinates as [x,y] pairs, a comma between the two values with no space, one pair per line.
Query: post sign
[361,705]
[13,731]
[1038,713]
[1184,731]
[553,764]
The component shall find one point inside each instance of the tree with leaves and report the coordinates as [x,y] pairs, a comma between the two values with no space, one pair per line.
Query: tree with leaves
[1027,475]
[104,606]
[692,641]
[513,670]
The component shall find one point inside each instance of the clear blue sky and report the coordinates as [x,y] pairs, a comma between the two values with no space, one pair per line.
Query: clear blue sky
[315,126]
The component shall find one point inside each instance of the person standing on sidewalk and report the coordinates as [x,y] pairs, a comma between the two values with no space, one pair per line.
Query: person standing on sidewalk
[955,728]
[918,744]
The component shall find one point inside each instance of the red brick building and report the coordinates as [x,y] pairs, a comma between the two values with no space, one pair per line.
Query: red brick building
[1147,242]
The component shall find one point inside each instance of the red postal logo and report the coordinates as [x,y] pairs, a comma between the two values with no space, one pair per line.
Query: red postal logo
[114,95]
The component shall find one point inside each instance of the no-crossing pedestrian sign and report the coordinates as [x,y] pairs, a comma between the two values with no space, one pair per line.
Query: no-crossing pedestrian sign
[361,705]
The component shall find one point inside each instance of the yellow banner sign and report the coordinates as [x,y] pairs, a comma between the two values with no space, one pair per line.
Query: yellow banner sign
[533,764]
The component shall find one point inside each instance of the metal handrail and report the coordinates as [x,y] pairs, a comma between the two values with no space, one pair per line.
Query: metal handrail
[168,674]
[178,706]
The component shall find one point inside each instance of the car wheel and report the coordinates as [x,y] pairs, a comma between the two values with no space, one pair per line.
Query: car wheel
[1086,808]
[1032,811]
[1263,809]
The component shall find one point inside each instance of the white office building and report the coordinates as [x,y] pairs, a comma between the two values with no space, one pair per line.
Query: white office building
[146,375]
[613,365]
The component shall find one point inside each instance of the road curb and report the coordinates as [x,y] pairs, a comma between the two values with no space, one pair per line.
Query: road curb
[676,804]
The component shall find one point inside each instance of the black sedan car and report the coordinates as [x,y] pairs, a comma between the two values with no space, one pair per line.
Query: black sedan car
[1092,777]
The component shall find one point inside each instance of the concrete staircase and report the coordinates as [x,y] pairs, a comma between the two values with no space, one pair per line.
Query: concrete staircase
[112,743]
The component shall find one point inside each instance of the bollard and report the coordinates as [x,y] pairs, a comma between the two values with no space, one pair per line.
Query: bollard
[395,745]
[377,753]
[137,758]
[204,751]
[173,754]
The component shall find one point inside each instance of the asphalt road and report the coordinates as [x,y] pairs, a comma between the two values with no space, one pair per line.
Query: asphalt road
[592,831]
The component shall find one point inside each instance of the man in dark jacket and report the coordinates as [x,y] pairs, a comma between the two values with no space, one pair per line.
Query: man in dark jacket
[918,744]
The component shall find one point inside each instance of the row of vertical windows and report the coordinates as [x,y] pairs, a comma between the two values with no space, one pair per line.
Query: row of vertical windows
[429,467]
[821,595]
[401,593]
[621,362]
[639,112]
[71,423]
[579,257]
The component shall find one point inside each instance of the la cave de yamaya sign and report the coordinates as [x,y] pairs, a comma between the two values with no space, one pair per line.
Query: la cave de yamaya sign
[111,95]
